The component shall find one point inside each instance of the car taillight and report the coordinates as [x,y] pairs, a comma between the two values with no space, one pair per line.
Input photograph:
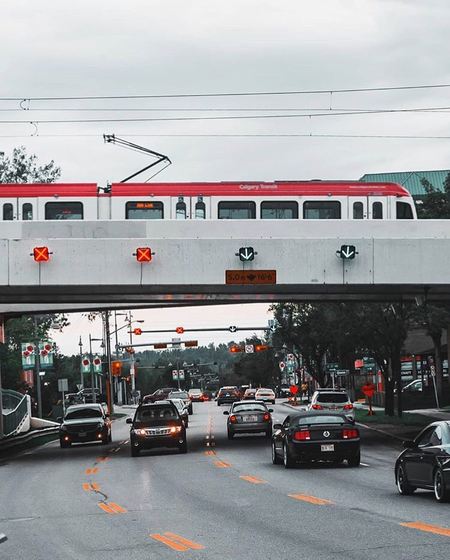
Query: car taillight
[266,417]
[350,434]
[233,419]
[317,407]
[348,407]
[302,436]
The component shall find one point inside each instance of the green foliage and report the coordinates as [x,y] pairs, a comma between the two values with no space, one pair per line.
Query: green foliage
[436,204]
[22,168]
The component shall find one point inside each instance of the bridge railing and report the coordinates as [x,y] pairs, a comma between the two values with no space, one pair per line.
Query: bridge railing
[15,411]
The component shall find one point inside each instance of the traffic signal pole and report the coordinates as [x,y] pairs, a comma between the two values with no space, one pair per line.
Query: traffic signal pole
[37,367]
[109,385]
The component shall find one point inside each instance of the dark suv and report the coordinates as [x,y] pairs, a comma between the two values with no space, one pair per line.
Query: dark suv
[157,425]
[228,395]
[84,422]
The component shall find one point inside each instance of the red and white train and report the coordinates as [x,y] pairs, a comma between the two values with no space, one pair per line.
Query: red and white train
[303,200]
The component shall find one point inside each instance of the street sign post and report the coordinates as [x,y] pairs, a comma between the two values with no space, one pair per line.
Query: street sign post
[63,387]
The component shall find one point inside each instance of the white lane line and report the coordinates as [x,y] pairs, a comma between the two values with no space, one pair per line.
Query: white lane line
[3,537]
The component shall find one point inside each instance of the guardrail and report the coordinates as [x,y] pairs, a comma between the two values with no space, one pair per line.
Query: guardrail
[15,407]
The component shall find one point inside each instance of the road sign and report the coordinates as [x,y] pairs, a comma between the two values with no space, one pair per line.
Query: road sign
[232,328]
[246,254]
[79,386]
[342,372]
[282,366]
[97,363]
[347,252]
[63,385]
[250,277]
[249,349]
[178,375]
[85,364]
[176,342]
[143,254]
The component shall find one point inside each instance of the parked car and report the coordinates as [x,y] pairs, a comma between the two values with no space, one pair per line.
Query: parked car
[182,409]
[249,418]
[425,462]
[249,395]
[196,395]
[157,425]
[184,396]
[83,423]
[333,400]
[266,395]
[158,395]
[315,436]
[284,391]
[228,395]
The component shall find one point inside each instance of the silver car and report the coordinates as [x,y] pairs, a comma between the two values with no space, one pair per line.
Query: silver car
[249,417]
[332,399]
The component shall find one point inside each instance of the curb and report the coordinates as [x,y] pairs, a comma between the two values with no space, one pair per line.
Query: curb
[3,537]
[31,439]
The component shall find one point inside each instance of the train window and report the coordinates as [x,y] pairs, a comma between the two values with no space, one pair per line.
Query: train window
[27,211]
[244,210]
[358,210]
[180,210]
[8,211]
[377,211]
[279,210]
[144,210]
[200,210]
[322,210]
[404,211]
[64,211]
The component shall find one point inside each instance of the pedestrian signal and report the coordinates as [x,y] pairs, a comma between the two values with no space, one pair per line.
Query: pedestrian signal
[116,368]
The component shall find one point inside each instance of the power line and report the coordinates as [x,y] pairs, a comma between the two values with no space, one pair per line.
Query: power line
[226,94]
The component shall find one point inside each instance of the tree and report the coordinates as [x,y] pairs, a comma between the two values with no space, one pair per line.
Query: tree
[22,168]
[436,204]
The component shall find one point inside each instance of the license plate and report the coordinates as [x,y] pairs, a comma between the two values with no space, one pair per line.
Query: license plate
[82,434]
[329,447]
[250,418]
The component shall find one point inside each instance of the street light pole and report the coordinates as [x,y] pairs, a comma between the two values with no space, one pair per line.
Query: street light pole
[109,386]
[91,367]
[37,367]
[80,344]
[132,366]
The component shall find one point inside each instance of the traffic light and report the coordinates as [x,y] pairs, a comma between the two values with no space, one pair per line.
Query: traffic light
[261,347]
[190,343]
[41,254]
[137,331]
[116,368]
[179,330]
[143,254]
[235,349]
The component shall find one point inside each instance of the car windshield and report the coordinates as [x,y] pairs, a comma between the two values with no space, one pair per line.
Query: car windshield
[83,413]
[323,419]
[179,395]
[155,413]
[255,407]
[178,403]
[332,398]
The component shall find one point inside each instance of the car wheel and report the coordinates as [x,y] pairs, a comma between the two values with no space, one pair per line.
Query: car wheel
[275,459]
[190,410]
[110,438]
[135,451]
[218,403]
[182,448]
[273,402]
[287,459]
[441,491]
[230,434]
[403,486]
[355,460]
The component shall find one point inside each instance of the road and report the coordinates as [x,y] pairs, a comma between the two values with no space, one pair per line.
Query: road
[223,500]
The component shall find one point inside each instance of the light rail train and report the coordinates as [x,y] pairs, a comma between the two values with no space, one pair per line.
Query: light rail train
[279,200]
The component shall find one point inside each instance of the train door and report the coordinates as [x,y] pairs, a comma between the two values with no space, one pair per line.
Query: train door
[27,209]
[357,208]
[378,208]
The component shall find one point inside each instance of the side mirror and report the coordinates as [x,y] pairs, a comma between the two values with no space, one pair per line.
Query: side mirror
[59,419]
[270,409]
[226,412]
[277,426]
[409,444]
[129,420]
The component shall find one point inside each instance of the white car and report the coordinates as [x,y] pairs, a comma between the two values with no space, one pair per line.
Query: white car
[266,395]
[335,400]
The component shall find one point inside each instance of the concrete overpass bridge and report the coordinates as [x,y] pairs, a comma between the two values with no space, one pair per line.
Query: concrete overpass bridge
[195,262]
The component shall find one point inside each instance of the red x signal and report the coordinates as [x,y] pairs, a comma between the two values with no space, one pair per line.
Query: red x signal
[143,254]
[41,254]
[179,330]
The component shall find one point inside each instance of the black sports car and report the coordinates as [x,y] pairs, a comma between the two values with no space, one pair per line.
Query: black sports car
[315,436]
[425,463]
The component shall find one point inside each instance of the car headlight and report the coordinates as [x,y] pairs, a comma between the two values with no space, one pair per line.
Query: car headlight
[139,432]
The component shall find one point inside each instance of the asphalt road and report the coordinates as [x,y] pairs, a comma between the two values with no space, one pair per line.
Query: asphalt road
[223,500]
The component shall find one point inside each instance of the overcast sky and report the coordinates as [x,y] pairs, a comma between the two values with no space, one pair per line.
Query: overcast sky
[54,48]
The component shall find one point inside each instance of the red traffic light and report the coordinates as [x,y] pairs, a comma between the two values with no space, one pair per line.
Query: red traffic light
[116,368]
[261,347]
[143,254]
[41,254]
[137,331]
[179,330]
[235,349]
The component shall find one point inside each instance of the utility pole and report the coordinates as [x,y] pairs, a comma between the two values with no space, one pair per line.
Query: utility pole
[37,367]
[91,367]
[109,385]
[132,364]
[80,344]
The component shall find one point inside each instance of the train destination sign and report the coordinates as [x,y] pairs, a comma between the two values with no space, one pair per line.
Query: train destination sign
[251,277]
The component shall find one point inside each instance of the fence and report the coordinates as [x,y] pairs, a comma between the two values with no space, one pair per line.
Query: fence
[15,410]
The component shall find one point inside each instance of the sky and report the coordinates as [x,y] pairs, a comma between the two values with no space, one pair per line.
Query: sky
[171,47]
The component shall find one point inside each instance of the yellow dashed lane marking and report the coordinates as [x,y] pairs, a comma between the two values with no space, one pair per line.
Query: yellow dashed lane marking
[111,507]
[222,464]
[91,471]
[87,486]
[175,542]
[311,499]
[428,528]
[253,479]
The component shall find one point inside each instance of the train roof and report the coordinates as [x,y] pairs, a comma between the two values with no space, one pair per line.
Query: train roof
[235,188]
